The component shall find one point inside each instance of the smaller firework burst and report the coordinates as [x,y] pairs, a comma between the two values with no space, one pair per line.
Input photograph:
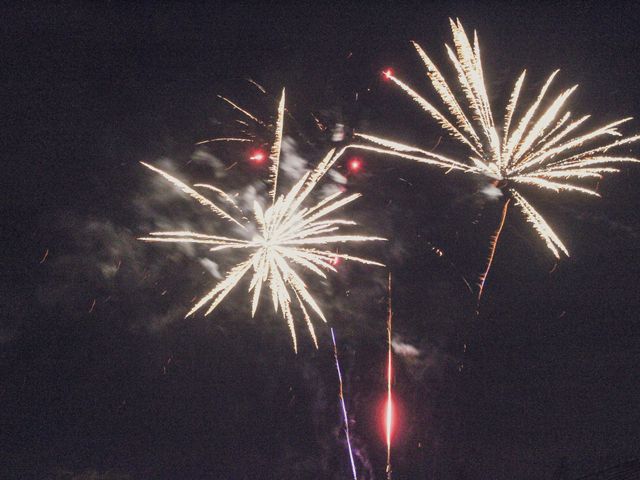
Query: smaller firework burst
[288,234]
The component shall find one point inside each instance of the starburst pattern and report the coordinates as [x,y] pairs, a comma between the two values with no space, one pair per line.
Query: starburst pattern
[543,150]
[287,235]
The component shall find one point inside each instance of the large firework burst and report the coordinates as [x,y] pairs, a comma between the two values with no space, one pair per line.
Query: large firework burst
[544,148]
[287,235]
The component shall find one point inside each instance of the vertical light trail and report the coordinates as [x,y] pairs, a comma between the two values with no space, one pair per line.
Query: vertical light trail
[389,406]
[494,244]
[344,408]
[274,156]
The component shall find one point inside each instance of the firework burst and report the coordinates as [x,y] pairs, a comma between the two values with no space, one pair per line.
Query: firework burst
[287,234]
[543,149]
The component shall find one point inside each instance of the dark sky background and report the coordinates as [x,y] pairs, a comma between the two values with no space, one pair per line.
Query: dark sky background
[101,376]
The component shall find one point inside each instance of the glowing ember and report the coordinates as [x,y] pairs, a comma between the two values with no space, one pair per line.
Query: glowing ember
[258,156]
[355,164]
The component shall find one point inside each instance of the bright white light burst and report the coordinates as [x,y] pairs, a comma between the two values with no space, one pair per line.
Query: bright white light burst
[288,234]
[542,150]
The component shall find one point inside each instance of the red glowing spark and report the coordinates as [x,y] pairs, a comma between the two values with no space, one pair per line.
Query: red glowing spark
[389,424]
[355,165]
[389,405]
[336,261]
[388,73]
[258,156]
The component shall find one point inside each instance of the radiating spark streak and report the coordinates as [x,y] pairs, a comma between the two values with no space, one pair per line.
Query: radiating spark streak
[257,85]
[544,146]
[331,256]
[274,157]
[46,254]
[241,110]
[543,122]
[429,161]
[427,107]
[540,225]
[332,239]
[589,162]
[508,116]
[224,139]
[514,140]
[193,194]
[389,404]
[555,186]
[575,142]
[444,91]
[492,251]
[469,71]
[222,193]
[192,237]
[540,149]
[584,173]
[287,235]
[344,408]
[193,240]
[399,147]
[551,133]
[604,149]
[307,320]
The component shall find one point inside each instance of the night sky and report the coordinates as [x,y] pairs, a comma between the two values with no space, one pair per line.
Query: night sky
[102,377]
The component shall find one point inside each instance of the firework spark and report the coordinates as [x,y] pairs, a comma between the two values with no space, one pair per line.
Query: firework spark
[288,235]
[344,407]
[542,150]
